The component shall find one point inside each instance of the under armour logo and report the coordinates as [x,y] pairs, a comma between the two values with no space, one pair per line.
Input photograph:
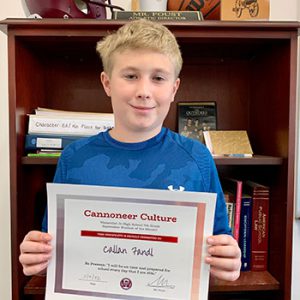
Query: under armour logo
[171,188]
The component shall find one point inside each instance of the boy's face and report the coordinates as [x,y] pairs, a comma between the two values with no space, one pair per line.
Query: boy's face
[142,86]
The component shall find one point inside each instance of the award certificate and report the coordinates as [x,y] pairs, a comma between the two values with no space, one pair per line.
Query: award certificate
[128,243]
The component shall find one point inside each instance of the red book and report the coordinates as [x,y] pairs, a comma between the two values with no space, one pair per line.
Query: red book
[235,186]
[260,218]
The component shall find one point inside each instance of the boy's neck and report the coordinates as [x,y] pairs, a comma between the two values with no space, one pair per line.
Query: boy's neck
[133,137]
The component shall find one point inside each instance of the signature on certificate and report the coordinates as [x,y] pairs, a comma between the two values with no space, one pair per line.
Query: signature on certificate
[161,282]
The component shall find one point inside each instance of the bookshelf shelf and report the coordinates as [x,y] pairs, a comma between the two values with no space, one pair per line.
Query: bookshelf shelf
[53,64]
[255,160]
[248,281]
[39,160]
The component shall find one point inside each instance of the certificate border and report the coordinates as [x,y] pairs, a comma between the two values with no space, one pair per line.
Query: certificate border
[60,207]
[198,251]
[185,198]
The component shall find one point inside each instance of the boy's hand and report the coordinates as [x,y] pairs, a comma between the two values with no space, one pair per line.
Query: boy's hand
[225,259]
[35,252]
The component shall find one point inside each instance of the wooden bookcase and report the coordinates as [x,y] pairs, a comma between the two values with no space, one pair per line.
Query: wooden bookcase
[249,69]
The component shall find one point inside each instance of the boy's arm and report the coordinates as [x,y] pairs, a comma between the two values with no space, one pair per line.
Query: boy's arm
[35,252]
[225,259]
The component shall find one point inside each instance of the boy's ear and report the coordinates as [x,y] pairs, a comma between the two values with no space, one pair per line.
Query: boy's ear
[104,78]
[175,87]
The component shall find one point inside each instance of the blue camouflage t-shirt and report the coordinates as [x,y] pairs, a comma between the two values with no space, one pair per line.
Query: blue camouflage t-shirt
[166,161]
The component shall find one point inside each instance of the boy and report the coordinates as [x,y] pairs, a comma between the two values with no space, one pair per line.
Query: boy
[141,63]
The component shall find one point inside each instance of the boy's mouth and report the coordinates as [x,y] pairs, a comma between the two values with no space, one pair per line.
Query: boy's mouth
[142,108]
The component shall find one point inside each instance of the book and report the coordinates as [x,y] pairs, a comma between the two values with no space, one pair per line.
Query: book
[245,232]
[234,187]
[34,141]
[55,112]
[230,206]
[260,219]
[43,154]
[196,117]
[60,124]
[232,143]
[158,15]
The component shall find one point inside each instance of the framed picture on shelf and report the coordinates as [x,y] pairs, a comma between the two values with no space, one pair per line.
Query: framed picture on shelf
[196,117]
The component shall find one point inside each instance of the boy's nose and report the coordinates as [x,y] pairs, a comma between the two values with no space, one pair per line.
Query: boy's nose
[143,89]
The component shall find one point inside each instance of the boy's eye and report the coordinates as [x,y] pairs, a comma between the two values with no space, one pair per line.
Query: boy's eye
[130,76]
[158,78]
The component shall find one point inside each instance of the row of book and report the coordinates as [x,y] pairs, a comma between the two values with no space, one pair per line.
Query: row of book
[248,213]
[198,120]
[51,130]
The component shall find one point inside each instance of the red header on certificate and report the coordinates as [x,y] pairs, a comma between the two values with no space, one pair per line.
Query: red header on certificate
[130,236]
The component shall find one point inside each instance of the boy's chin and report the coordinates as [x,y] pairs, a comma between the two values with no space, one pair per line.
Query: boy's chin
[147,129]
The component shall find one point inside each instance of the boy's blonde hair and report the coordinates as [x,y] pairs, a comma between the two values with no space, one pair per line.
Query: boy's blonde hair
[140,34]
